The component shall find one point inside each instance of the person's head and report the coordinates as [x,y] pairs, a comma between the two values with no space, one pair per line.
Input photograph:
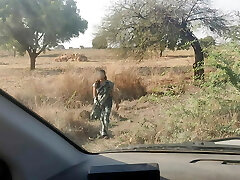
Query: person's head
[101,75]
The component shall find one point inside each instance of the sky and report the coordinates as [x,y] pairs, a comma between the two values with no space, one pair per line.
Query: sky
[94,10]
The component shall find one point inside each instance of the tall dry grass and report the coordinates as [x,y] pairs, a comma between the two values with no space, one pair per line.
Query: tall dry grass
[71,122]
[61,99]
[128,82]
[73,89]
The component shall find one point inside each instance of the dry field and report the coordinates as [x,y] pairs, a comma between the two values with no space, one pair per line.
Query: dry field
[61,93]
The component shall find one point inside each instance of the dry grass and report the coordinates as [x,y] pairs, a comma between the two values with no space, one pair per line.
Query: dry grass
[71,89]
[74,88]
[71,122]
[128,81]
[62,93]
[62,99]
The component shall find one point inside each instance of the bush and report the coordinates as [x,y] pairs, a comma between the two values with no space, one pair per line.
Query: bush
[100,42]
[74,88]
[128,82]
[207,42]
[214,111]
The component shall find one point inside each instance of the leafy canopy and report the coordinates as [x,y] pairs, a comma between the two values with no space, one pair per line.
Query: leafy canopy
[40,24]
[141,24]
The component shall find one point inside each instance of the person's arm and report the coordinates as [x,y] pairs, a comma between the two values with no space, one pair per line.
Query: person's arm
[94,91]
[95,101]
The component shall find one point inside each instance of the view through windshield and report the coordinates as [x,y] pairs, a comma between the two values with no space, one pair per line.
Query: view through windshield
[112,74]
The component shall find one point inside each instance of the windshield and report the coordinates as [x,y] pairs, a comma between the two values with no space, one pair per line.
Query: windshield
[116,74]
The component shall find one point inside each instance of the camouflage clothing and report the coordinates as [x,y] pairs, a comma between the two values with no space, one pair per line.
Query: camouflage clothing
[105,114]
[104,101]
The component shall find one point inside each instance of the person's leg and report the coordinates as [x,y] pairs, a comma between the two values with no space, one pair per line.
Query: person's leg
[102,130]
[105,120]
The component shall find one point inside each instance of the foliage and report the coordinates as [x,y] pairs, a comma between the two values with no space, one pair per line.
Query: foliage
[234,33]
[207,42]
[126,27]
[227,65]
[138,25]
[234,29]
[11,44]
[100,42]
[213,112]
[40,24]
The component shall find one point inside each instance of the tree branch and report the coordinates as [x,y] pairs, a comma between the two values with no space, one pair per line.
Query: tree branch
[202,18]
[191,10]
[42,49]
[40,37]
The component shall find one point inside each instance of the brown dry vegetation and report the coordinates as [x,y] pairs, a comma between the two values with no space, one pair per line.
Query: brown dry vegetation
[61,93]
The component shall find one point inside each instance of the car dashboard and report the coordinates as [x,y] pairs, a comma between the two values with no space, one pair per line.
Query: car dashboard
[184,166]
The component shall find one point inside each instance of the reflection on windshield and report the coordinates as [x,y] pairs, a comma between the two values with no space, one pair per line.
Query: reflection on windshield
[147,77]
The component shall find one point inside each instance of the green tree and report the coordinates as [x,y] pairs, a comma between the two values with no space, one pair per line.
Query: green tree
[100,42]
[9,44]
[207,42]
[139,24]
[123,28]
[234,33]
[40,24]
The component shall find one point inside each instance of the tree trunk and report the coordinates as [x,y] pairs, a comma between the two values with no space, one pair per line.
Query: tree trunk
[32,63]
[161,53]
[33,57]
[14,53]
[198,66]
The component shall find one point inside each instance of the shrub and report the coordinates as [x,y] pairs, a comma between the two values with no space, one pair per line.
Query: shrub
[214,111]
[128,82]
[207,42]
[100,42]
[74,87]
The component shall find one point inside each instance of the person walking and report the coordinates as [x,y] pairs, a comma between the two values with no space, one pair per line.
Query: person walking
[103,101]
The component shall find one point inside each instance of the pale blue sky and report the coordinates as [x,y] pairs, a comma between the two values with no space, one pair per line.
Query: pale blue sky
[94,10]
